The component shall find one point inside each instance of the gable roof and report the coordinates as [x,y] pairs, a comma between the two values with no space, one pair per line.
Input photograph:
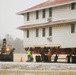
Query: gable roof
[49,3]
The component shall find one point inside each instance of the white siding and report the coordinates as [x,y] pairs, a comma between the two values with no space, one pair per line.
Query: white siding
[58,13]
[63,12]
[33,19]
[61,33]
[63,36]
[33,40]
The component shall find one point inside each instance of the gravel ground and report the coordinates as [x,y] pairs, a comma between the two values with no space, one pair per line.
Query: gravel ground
[27,68]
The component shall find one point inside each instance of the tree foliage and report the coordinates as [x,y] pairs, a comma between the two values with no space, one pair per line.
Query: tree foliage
[15,43]
[0,41]
[18,44]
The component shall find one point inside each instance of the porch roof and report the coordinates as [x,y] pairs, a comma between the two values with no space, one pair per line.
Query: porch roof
[50,23]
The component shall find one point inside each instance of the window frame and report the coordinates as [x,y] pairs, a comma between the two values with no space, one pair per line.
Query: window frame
[50,31]
[37,32]
[27,33]
[50,12]
[72,28]
[28,16]
[73,6]
[43,32]
[43,13]
[37,14]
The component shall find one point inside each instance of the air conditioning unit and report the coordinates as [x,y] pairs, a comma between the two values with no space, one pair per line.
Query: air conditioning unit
[49,38]
[49,19]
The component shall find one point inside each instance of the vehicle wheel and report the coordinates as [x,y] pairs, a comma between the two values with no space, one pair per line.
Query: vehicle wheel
[37,58]
[55,58]
[11,59]
[68,58]
[71,59]
[46,58]
[74,59]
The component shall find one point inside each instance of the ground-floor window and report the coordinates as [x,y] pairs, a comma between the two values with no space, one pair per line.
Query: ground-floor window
[43,32]
[27,33]
[72,28]
[50,31]
[37,32]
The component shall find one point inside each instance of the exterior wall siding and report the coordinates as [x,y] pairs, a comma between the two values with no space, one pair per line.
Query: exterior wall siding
[58,13]
[33,19]
[63,12]
[61,34]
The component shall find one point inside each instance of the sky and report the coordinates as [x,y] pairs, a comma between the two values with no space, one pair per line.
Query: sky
[9,20]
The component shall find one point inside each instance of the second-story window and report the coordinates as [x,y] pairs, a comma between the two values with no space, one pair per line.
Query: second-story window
[43,12]
[72,6]
[72,28]
[50,31]
[50,12]
[37,32]
[27,34]
[27,16]
[43,32]
[37,14]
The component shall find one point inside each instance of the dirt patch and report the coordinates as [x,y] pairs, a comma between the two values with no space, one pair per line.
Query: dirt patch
[9,72]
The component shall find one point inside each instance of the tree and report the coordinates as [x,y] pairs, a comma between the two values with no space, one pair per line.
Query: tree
[18,44]
[9,39]
[0,42]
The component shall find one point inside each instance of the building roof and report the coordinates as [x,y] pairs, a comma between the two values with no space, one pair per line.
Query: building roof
[49,3]
[47,24]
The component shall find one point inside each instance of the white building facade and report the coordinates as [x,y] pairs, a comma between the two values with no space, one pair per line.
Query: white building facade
[52,23]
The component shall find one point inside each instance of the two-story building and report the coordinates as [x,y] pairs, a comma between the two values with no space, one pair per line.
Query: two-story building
[51,24]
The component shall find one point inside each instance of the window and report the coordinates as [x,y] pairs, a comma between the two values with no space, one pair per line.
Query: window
[50,12]
[27,33]
[37,32]
[72,6]
[27,16]
[37,14]
[43,11]
[72,28]
[43,32]
[50,31]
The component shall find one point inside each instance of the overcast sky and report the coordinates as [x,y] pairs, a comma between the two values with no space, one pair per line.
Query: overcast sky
[9,20]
